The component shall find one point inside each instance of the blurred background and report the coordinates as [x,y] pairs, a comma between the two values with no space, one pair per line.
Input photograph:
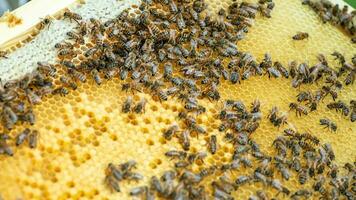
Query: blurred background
[10,5]
[13,4]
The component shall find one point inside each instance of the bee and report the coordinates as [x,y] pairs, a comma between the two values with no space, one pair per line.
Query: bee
[353,111]
[32,139]
[21,137]
[126,107]
[61,91]
[32,97]
[328,124]
[65,80]
[339,105]
[283,170]
[112,183]
[213,144]
[302,192]
[77,75]
[293,68]
[138,190]
[302,176]
[47,69]
[96,76]
[313,139]
[273,72]
[318,185]
[350,78]
[243,179]
[185,140]
[281,69]
[64,45]
[300,109]
[3,54]
[68,64]
[176,154]
[140,106]
[328,90]
[72,16]
[162,95]
[338,56]
[181,164]
[256,106]
[304,96]
[300,36]
[47,21]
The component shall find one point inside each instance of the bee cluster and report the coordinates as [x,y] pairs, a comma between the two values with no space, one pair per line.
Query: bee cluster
[176,49]
[329,12]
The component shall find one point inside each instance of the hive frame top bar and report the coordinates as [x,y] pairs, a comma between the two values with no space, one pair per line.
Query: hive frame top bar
[31,14]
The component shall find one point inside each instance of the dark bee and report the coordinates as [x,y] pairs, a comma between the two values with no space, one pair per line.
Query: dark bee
[328,90]
[339,105]
[126,107]
[185,140]
[33,138]
[5,149]
[302,176]
[65,80]
[72,16]
[281,69]
[170,132]
[77,75]
[328,124]
[32,97]
[140,106]
[96,76]
[273,72]
[176,154]
[338,56]
[301,193]
[47,68]
[300,36]
[353,110]
[112,183]
[138,190]
[21,137]
[61,91]
[47,21]
[64,45]
[299,109]
[213,144]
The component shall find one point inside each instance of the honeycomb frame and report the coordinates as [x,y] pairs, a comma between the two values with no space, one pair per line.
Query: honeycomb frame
[80,149]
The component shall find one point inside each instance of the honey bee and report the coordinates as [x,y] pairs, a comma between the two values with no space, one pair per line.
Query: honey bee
[21,137]
[338,56]
[72,16]
[213,144]
[47,21]
[281,69]
[170,131]
[140,106]
[126,107]
[5,148]
[33,138]
[299,109]
[32,97]
[64,45]
[112,183]
[353,111]
[65,80]
[185,140]
[273,72]
[138,190]
[339,105]
[61,91]
[176,154]
[77,75]
[3,54]
[47,68]
[328,90]
[300,36]
[328,124]
[96,76]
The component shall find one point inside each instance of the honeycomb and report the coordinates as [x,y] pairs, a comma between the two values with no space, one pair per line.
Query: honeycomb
[84,131]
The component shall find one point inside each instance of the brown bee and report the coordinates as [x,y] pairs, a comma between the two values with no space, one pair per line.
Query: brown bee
[47,21]
[3,54]
[33,138]
[61,91]
[328,124]
[72,16]
[77,75]
[126,107]
[66,80]
[112,183]
[64,45]
[213,144]
[96,76]
[185,140]
[47,68]
[353,111]
[299,109]
[140,106]
[21,137]
[170,131]
[300,36]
